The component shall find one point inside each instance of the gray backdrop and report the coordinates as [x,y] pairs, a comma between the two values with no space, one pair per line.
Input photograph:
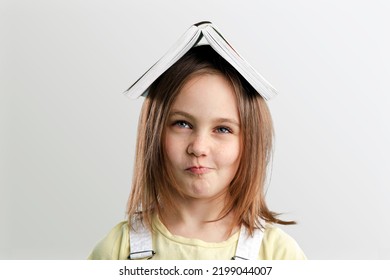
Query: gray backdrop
[68,133]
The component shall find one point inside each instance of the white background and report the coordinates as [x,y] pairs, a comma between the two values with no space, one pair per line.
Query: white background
[67,133]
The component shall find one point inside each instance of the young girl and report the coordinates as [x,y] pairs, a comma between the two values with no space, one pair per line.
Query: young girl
[204,142]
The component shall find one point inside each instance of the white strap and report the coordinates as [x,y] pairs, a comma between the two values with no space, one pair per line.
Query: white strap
[248,246]
[140,243]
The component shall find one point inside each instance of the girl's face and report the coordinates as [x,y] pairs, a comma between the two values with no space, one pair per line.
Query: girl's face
[202,137]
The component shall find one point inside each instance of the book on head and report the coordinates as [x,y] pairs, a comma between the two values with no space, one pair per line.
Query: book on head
[199,34]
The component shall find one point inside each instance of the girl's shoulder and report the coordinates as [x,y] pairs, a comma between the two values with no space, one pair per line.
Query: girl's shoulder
[278,245]
[114,246]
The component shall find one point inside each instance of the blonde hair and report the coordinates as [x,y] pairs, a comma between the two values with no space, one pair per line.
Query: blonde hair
[153,184]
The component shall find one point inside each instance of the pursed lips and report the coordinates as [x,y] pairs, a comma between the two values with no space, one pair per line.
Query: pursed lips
[198,170]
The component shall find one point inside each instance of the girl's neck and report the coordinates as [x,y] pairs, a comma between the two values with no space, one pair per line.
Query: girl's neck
[200,219]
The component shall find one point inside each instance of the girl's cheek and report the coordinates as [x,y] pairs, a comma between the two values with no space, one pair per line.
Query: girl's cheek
[229,153]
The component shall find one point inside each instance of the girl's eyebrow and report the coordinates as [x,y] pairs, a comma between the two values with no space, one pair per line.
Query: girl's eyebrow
[181,113]
[218,120]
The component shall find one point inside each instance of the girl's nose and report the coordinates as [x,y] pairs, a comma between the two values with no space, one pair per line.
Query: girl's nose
[198,146]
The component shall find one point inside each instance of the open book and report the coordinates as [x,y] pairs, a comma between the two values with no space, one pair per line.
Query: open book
[199,34]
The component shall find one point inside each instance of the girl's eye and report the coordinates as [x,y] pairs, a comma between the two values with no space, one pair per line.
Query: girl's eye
[182,124]
[223,129]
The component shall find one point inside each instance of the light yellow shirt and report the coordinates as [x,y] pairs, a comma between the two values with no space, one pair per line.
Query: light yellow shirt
[276,245]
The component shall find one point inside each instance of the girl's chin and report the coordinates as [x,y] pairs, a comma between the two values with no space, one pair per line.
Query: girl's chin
[203,191]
